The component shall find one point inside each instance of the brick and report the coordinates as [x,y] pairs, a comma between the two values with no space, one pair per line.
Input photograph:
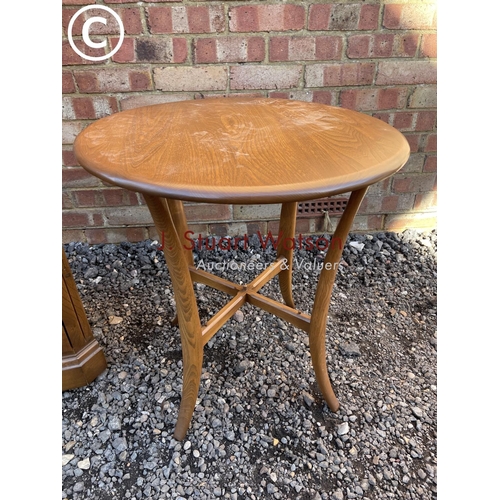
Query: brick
[72,218]
[264,77]
[428,47]
[400,222]
[87,108]
[413,183]
[67,200]
[426,201]
[414,141]
[409,16]
[426,120]
[68,84]
[266,18]
[70,57]
[165,50]
[207,212]
[368,17]
[373,99]
[431,143]
[256,212]
[294,95]
[406,72]
[97,236]
[305,48]
[325,75]
[78,178]
[114,79]
[319,17]
[186,19]
[325,97]
[430,164]
[68,158]
[403,121]
[80,2]
[424,96]
[229,49]
[70,130]
[192,78]
[130,17]
[414,164]
[136,101]
[121,216]
[387,203]
[382,45]
[72,235]
[126,52]
[343,17]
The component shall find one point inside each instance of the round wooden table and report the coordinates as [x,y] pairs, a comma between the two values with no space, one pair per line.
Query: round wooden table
[246,151]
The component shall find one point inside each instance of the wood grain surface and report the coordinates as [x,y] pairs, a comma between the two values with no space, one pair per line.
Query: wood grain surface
[241,150]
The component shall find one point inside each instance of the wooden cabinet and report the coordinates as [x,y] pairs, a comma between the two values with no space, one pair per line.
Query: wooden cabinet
[82,357]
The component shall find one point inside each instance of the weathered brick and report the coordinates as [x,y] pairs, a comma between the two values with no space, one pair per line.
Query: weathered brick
[136,101]
[68,157]
[305,48]
[344,17]
[190,78]
[186,19]
[431,143]
[71,235]
[294,95]
[207,212]
[409,16]
[382,45]
[114,79]
[121,216]
[325,75]
[403,121]
[413,183]
[229,49]
[387,203]
[325,97]
[426,120]
[414,164]
[70,57]
[71,218]
[266,18]
[96,236]
[166,50]
[78,178]
[256,212]
[426,201]
[373,99]
[68,84]
[70,129]
[126,52]
[424,96]
[400,222]
[406,72]
[430,164]
[87,108]
[264,77]
[428,47]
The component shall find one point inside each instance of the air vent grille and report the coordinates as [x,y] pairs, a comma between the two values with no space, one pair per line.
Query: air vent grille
[317,208]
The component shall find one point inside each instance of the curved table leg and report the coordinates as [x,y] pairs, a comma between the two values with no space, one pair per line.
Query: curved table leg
[317,329]
[285,248]
[187,310]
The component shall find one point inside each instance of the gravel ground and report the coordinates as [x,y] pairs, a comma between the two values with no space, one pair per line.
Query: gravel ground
[261,428]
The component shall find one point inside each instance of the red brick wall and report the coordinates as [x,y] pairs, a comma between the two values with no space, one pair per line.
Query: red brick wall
[377,57]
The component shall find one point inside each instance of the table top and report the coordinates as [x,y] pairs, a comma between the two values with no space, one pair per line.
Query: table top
[241,150]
